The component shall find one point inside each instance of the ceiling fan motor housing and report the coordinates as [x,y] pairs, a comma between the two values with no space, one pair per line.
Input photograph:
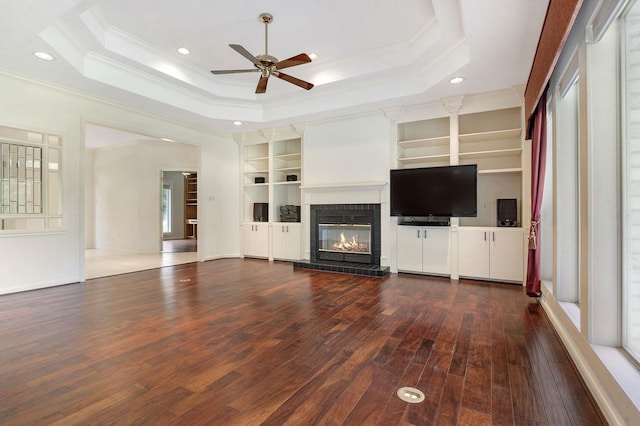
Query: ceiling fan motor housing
[267,18]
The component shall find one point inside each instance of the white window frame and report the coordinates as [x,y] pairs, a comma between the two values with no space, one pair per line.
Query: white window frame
[50,217]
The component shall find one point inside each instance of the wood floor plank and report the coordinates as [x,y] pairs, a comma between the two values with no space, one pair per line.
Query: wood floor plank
[252,342]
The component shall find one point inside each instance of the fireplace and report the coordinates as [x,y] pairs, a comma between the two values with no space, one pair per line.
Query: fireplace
[344,242]
[345,233]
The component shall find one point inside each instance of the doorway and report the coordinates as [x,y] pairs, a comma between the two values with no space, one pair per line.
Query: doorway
[179,211]
[122,201]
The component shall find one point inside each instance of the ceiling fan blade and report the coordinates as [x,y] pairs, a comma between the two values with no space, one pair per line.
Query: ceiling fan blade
[244,52]
[215,72]
[300,59]
[301,83]
[262,84]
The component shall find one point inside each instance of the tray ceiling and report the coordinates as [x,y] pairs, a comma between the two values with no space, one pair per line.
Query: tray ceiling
[370,54]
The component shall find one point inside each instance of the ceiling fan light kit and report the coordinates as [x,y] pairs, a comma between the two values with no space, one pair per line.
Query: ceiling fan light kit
[269,65]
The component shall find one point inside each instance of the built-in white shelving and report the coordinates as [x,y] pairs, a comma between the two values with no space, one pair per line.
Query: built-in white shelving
[272,174]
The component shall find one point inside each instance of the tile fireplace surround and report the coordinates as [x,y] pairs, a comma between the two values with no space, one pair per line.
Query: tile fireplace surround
[368,265]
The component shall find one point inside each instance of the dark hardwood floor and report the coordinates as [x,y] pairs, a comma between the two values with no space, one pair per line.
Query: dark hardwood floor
[250,342]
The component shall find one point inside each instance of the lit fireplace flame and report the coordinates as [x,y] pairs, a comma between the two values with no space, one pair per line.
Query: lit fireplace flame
[353,245]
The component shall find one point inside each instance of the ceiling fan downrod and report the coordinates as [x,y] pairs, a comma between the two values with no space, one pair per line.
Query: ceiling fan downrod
[266,18]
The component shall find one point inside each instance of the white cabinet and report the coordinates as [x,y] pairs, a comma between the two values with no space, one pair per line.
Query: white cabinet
[491,253]
[255,238]
[286,241]
[424,249]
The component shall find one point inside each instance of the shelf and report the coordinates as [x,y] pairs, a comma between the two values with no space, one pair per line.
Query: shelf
[423,159]
[493,135]
[291,182]
[256,172]
[289,157]
[257,184]
[513,152]
[287,169]
[258,159]
[190,206]
[497,171]
[422,143]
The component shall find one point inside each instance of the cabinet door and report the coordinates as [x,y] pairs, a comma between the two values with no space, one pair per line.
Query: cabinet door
[255,239]
[409,248]
[436,250]
[473,252]
[248,239]
[262,240]
[507,257]
[286,241]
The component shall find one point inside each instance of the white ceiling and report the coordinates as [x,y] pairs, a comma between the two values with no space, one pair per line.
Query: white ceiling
[372,54]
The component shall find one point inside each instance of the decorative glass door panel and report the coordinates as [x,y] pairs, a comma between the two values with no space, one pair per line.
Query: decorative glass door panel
[344,238]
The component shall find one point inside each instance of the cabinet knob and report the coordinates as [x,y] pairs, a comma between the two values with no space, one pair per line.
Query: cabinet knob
[418,233]
[425,233]
[485,235]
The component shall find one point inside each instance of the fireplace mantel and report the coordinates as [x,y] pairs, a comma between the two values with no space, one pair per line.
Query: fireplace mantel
[355,186]
[343,193]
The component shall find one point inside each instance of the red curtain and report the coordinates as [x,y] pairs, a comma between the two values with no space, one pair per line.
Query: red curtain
[538,162]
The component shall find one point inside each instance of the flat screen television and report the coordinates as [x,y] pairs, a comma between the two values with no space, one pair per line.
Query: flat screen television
[449,191]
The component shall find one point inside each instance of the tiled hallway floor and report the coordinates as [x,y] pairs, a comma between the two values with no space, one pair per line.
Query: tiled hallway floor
[103,263]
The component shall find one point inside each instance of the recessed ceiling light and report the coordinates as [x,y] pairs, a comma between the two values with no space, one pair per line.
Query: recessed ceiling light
[456,80]
[43,55]
[313,56]
[183,51]
[168,140]
[237,123]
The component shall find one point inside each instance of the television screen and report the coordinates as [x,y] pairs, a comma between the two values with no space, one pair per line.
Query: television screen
[434,191]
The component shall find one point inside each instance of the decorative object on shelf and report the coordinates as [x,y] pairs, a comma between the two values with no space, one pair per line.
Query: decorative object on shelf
[261,212]
[507,211]
[259,179]
[292,178]
[267,64]
[289,213]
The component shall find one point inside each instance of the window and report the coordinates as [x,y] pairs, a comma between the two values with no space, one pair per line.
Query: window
[30,196]
[631,185]
[545,228]
[166,208]
[21,174]
[567,208]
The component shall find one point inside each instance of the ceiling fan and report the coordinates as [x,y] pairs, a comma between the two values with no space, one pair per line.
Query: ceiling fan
[267,64]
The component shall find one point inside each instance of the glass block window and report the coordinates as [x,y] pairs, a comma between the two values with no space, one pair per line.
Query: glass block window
[30,195]
[21,175]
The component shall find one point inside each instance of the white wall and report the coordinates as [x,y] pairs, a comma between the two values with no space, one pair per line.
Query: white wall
[347,151]
[219,206]
[90,202]
[40,259]
[127,180]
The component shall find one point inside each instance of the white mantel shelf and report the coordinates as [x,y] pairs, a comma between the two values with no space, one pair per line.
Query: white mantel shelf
[345,186]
